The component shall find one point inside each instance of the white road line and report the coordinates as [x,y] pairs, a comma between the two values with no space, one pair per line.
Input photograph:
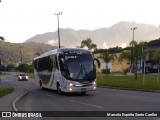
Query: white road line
[17,100]
[87,104]
[78,102]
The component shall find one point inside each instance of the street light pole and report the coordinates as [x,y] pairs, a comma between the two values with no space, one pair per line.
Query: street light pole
[133,32]
[59,13]
[133,29]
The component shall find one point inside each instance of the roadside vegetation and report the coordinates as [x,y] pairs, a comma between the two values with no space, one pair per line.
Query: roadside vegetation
[5,91]
[138,52]
[31,75]
[135,81]
[150,83]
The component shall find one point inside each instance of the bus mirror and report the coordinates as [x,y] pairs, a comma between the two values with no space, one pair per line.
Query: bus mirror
[97,61]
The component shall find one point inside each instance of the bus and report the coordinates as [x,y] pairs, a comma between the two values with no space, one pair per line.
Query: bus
[66,70]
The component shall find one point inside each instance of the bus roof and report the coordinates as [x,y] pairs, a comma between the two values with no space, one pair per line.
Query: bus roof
[66,51]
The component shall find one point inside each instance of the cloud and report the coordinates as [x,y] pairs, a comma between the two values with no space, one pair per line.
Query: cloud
[53,42]
[124,45]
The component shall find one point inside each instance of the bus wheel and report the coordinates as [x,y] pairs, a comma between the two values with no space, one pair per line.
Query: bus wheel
[40,84]
[59,89]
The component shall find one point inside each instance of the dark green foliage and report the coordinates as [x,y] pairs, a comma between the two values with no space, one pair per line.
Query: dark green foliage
[25,68]
[154,43]
[88,43]
[10,67]
[2,38]
[114,50]
[105,71]
[126,70]
[10,52]
[5,91]
[100,51]
[110,50]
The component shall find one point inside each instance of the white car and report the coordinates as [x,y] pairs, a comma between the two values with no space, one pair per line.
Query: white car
[22,77]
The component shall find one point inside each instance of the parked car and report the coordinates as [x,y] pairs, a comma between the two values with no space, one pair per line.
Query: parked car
[22,77]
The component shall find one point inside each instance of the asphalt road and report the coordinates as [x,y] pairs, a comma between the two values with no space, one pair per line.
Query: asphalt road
[102,99]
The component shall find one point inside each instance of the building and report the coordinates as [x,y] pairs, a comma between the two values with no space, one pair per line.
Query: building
[116,65]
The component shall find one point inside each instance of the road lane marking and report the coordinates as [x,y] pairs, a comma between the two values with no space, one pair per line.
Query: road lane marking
[87,104]
[14,102]
[78,102]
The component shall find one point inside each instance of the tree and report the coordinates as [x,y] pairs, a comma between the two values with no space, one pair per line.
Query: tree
[107,58]
[127,56]
[2,38]
[10,67]
[88,43]
[134,55]
[25,68]
[156,57]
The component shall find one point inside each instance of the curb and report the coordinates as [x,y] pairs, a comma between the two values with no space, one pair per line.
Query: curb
[131,89]
[17,100]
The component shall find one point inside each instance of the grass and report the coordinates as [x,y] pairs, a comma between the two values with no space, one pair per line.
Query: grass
[150,83]
[5,91]
[31,75]
[2,73]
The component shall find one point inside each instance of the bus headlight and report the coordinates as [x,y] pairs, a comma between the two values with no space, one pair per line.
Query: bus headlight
[70,89]
[71,84]
[94,83]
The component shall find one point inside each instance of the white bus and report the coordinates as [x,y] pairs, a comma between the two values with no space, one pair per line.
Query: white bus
[66,70]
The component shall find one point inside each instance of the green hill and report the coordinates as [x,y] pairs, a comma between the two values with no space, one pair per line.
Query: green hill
[10,53]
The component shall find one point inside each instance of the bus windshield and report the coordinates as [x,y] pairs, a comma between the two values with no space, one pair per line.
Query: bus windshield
[80,68]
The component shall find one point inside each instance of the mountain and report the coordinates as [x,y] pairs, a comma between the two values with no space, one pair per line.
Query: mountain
[10,52]
[112,36]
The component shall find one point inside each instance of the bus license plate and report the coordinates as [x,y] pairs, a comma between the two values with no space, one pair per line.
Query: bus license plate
[83,89]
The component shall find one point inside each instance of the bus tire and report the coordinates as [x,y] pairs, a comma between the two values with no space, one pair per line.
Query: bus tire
[59,89]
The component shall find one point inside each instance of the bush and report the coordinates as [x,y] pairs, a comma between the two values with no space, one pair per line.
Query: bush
[105,71]
[26,68]
[126,70]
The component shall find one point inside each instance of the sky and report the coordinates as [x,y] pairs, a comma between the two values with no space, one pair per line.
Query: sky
[22,19]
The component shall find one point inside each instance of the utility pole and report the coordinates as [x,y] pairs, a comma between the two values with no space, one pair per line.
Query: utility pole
[21,54]
[59,13]
[144,64]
